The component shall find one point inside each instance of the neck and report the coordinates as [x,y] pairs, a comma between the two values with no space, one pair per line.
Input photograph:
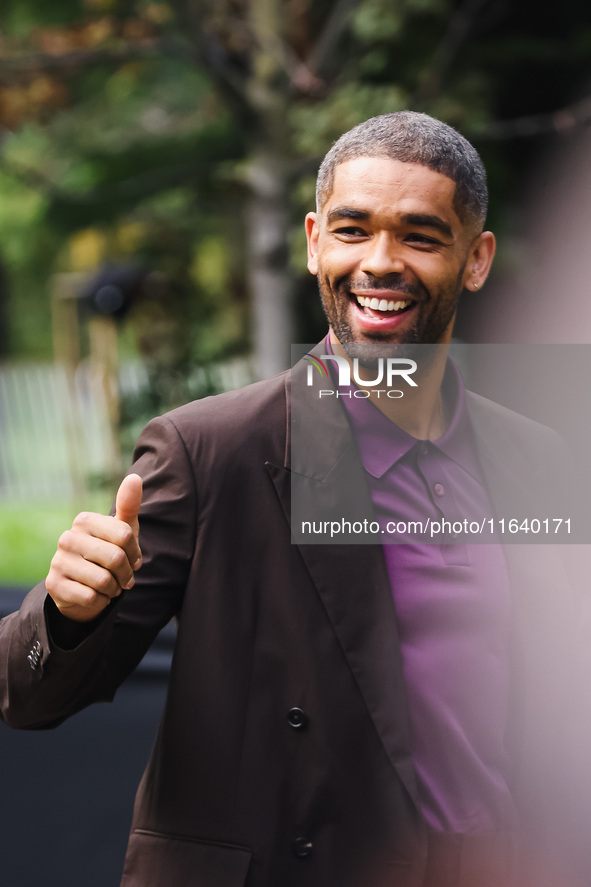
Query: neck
[419,409]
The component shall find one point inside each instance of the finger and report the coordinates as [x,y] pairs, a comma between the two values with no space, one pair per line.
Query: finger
[71,567]
[88,526]
[77,601]
[128,501]
[78,552]
[127,509]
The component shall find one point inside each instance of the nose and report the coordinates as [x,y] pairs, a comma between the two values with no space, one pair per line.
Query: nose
[382,256]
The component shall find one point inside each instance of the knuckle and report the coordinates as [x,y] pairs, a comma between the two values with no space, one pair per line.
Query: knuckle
[51,582]
[55,573]
[125,535]
[104,583]
[65,540]
[56,561]
[89,598]
[117,559]
[81,519]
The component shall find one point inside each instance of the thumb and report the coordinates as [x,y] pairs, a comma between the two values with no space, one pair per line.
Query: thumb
[128,501]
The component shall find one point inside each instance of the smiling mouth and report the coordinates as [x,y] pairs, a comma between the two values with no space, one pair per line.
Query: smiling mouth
[388,306]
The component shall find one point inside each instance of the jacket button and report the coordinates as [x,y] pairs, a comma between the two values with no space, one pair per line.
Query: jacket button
[297,718]
[35,655]
[302,847]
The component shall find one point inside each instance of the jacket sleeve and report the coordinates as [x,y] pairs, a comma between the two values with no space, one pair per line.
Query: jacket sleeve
[42,684]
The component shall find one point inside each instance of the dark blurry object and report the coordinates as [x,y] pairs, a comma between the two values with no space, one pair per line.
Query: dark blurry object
[114,289]
[52,768]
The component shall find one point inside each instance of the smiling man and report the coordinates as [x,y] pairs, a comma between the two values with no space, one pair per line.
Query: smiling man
[338,715]
[399,231]
[397,237]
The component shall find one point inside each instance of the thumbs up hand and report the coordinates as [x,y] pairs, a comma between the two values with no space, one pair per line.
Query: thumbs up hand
[127,503]
[96,559]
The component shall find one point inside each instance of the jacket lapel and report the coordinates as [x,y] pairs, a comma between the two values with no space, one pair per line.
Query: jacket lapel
[322,468]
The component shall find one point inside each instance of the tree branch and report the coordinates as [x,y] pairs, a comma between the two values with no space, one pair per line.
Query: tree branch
[333,28]
[136,187]
[206,51]
[564,120]
[460,25]
[23,67]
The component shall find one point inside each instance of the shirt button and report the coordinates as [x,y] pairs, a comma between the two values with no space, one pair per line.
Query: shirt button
[302,847]
[297,718]
[439,489]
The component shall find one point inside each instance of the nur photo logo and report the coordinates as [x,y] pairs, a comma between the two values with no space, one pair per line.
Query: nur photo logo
[386,371]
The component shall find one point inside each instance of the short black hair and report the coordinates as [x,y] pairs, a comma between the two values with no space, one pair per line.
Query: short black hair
[412,137]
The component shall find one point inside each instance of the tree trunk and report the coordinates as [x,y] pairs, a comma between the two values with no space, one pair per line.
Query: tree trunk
[267,94]
[269,280]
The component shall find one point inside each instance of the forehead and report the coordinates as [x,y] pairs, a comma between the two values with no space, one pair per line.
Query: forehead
[382,185]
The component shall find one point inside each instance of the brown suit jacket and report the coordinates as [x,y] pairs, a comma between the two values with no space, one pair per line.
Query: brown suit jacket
[241,789]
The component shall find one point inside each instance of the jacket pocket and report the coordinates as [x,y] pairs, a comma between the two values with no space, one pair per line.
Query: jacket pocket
[158,860]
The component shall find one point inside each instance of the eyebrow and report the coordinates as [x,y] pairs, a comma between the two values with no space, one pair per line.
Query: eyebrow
[345,212]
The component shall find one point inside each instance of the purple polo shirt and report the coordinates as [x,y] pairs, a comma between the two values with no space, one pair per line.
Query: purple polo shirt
[453,610]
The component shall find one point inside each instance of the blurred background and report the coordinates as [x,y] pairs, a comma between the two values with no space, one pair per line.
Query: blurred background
[156,163]
[157,158]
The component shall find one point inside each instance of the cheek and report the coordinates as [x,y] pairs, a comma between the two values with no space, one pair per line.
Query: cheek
[439,276]
[337,260]
[432,267]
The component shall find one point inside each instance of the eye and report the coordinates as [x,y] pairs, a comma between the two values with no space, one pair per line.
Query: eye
[350,232]
[422,240]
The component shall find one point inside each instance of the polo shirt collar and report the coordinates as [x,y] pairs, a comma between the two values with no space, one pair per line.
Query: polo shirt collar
[382,444]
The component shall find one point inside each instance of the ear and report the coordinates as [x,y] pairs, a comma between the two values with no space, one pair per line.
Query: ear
[312,232]
[480,257]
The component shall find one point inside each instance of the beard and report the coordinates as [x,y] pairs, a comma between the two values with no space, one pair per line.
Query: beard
[436,310]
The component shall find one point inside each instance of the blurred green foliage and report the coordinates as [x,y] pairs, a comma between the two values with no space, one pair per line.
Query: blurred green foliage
[28,535]
[126,130]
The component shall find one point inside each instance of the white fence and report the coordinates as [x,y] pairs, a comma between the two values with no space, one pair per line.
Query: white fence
[54,429]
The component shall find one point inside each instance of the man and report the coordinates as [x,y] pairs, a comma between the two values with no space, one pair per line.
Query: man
[301,741]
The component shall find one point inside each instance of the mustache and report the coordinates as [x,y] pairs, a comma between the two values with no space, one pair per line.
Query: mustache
[394,282]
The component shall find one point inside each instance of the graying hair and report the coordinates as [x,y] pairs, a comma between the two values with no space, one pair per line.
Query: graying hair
[412,137]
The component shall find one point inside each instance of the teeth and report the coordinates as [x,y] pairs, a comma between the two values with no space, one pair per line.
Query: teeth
[381,304]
